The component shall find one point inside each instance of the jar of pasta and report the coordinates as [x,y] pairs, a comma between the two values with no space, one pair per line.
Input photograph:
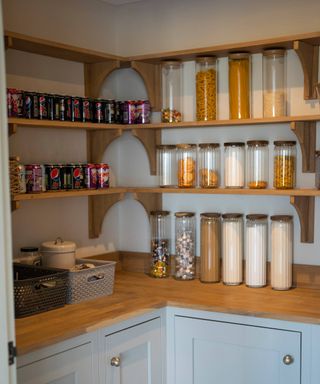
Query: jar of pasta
[171,92]
[234,165]
[274,91]
[257,164]
[239,85]
[167,165]
[284,164]
[209,165]
[206,88]
[187,155]
[160,243]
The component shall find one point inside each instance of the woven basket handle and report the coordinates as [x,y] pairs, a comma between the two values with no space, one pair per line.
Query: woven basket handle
[93,278]
[46,285]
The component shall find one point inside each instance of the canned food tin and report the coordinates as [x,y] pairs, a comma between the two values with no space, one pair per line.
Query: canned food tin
[50,106]
[109,109]
[77,108]
[35,105]
[90,176]
[59,108]
[142,112]
[43,109]
[118,112]
[77,178]
[102,175]
[98,111]
[53,176]
[27,105]
[15,102]
[129,112]
[34,178]
[87,110]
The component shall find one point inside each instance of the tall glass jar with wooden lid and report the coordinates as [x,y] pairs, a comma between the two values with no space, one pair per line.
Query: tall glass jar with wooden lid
[274,82]
[187,165]
[206,88]
[239,85]
[284,164]
[257,164]
[167,165]
[210,247]
[171,92]
[209,165]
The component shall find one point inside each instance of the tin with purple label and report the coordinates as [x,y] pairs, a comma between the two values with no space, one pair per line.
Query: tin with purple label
[34,178]
[142,112]
[102,175]
[90,176]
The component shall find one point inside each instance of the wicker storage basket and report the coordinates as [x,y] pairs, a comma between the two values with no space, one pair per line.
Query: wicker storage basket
[90,283]
[38,289]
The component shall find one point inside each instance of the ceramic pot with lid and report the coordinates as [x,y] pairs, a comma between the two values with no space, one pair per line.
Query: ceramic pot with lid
[58,253]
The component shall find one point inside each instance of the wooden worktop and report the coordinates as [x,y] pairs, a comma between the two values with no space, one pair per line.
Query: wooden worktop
[136,294]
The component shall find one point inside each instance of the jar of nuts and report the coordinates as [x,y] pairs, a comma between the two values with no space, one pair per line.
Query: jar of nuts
[187,157]
[284,164]
[206,88]
[209,165]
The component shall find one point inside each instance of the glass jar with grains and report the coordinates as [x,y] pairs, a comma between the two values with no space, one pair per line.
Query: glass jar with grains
[206,88]
[284,164]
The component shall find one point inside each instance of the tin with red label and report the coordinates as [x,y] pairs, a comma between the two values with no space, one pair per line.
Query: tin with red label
[15,102]
[43,108]
[34,178]
[87,113]
[102,175]
[90,177]
[77,178]
[77,108]
[98,106]
[53,176]
[142,112]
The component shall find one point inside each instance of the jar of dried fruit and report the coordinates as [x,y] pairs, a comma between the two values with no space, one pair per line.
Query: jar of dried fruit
[206,88]
[187,166]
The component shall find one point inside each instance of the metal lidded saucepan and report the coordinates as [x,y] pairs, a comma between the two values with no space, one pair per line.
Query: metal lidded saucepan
[58,253]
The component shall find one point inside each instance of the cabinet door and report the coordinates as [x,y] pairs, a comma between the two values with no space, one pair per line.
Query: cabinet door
[226,353]
[73,366]
[133,356]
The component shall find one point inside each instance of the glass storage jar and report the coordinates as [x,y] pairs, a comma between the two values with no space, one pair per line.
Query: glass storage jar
[209,165]
[187,165]
[232,248]
[160,243]
[206,88]
[257,164]
[167,165]
[284,164]
[210,247]
[239,85]
[274,89]
[281,251]
[171,92]
[317,180]
[234,165]
[185,263]
[256,250]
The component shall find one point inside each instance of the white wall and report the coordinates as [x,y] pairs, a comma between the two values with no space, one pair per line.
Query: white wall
[155,26]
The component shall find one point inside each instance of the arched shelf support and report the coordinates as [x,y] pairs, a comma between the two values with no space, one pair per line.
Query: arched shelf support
[304,205]
[151,75]
[98,141]
[149,201]
[98,208]
[95,75]
[309,58]
[306,133]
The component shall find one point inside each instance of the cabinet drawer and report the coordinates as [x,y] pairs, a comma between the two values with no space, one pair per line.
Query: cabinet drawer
[73,366]
[217,352]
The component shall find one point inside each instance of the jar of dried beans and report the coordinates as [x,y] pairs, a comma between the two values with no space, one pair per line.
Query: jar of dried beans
[160,243]
[171,92]
[206,88]
[187,156]
[209,165]
[284,167]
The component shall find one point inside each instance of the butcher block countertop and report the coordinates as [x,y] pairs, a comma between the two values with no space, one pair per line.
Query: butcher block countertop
[136,294]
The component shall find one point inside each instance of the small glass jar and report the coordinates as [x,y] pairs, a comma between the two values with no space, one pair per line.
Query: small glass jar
[274,89]
[209,165]
[187,165]
[29,255]
[167,165]
[171,92]
[317,180]
[206,88]
[257,164]
[160,243]
[234,165]
[210,247]
[281,251]
[185,263]
[284,165]
[239,85]
[256,250]
[232,248]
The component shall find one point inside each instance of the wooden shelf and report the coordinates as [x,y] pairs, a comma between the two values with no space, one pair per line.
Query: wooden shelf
[44,47]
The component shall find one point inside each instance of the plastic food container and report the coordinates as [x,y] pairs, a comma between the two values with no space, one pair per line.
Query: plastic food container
[58,254]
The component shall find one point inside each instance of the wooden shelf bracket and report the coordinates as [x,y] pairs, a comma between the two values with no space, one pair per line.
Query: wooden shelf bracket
[309,57]
[12,129]
[98,141]
[306,134]
[304,206]
[149,201]
[98,208]
[151,75]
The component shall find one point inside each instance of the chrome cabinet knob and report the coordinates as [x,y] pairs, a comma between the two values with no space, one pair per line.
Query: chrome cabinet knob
[115,361]
[288,359]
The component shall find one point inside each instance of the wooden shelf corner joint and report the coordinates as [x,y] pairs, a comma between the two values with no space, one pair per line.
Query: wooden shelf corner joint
[149,201]
[309,57]
[12,128]
[304,206]
[306,133]
[150,138]
[95,75]
[98,141]
[15,205]
[98,208]
[151,75]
